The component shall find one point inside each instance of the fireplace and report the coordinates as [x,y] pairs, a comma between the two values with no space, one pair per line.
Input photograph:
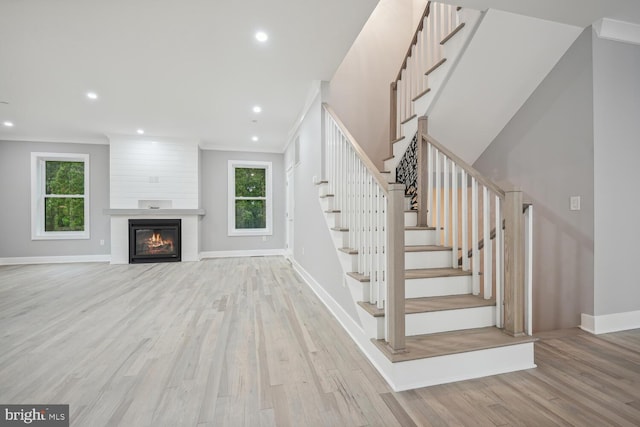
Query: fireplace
[154,240]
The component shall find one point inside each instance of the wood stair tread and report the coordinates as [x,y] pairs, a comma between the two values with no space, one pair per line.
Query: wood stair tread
[324,196]
[435,66]
[419,273]
[431,304]
[408,119]
[421,94]
[428,273]
[418,227]
[349,251]
[389,158]
[397,140]
[445,343]
[452,33]
[322,182]
[426,248]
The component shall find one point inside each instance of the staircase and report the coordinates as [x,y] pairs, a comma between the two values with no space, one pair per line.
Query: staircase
[441,318]
[437,265]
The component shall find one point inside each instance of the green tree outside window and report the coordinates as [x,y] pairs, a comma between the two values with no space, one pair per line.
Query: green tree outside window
[64,196]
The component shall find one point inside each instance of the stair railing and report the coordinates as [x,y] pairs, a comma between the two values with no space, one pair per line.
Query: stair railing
[473,215]
[425,52]
[372,211]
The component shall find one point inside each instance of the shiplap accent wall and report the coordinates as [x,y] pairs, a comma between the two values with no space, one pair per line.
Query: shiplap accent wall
[146,169]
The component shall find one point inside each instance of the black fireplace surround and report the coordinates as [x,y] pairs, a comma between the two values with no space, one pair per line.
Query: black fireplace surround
[155,240]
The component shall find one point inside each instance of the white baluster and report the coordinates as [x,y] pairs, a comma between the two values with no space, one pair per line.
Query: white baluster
[437,212]
[498,262]
[464,184]
[528,271]
[445,211]
[430,184]
[454,216]
[475,270]
[486,228]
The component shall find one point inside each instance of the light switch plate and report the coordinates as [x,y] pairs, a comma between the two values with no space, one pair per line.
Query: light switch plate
[574,203]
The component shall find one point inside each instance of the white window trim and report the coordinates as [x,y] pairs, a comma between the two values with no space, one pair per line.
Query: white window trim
[37,197]
[231,200]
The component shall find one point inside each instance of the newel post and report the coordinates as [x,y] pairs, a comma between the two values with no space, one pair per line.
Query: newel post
[422,164]
[514,263]
[395,268]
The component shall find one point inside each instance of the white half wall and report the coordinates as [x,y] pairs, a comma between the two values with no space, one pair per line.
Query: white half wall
[505,61]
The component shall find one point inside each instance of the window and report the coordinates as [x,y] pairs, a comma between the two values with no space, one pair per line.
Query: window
[59,196]
[249,198]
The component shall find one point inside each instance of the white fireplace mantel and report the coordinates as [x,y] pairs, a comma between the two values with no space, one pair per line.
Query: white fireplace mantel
[135,212]
[120,230]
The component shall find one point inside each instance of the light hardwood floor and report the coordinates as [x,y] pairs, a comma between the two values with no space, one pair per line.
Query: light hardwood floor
[244,342]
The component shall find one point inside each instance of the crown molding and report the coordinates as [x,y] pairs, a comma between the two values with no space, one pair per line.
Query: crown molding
[620,31]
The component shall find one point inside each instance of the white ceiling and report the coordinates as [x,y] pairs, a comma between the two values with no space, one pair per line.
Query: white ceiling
[181,69]
[192,68]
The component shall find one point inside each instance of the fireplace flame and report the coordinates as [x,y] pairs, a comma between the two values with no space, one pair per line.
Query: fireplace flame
[157,244]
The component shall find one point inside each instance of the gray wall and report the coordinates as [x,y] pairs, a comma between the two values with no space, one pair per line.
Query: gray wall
[213,190]
[616,95]
[15,192]
[547,150]
[313,247]
[359,90]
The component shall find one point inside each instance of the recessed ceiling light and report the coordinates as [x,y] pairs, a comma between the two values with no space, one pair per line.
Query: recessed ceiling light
[8,124]
[254,138]
[92,95]
[261,36]
[140,131]
[257,109]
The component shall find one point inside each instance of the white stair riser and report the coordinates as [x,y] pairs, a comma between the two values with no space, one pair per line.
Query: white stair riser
[450,320]
[410,219]
[323,189]
[391,177]
[333,219]
[438,286]
[430,259]
[372,326]
[359,290]
[392,163]
[419,237]
[407,203]
[348,262]
[327,203]
[340,238]
[460,366]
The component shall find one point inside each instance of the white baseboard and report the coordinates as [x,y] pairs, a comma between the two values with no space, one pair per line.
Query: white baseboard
[244,253]
[54,259]
[610,322]
[425,372]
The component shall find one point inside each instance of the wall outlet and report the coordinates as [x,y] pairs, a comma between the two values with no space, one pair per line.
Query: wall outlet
[101,242]
[303,250]
[264,238]
[574,203]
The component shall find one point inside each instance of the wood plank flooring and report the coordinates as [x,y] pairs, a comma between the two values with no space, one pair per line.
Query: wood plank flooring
[244,342]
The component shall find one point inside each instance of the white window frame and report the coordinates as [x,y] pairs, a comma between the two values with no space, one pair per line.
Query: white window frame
[38,189]
[231,201]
